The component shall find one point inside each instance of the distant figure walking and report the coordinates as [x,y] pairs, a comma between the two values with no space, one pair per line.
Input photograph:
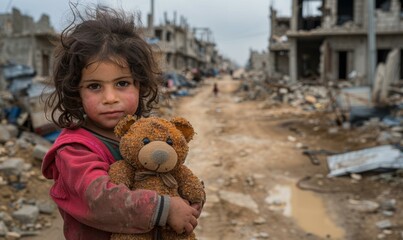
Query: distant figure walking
[215,89]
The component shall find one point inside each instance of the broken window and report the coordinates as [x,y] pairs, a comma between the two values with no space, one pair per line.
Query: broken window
[281,62]
[310,14]
[311,8]
[158,34]
[401,60]
[308,58]
[168,58]
[345,11]
[45,65]
[383,5]
[401,8]
[382,55]
[343,65]
[168,36]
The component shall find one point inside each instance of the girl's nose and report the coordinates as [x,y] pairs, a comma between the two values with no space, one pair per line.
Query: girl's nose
[110,96]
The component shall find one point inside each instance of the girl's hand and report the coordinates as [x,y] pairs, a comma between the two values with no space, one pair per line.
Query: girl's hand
[182,218]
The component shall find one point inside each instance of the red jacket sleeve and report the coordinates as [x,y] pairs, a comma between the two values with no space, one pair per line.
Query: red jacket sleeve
[83,190]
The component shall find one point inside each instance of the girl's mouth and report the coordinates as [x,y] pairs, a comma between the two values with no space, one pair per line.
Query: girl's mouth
[113,114]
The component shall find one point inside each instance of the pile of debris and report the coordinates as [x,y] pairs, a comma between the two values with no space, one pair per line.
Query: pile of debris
[22,212]
[350,105]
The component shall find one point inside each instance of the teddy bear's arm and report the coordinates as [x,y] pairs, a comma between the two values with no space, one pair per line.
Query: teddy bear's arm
[190,186]
[121,172]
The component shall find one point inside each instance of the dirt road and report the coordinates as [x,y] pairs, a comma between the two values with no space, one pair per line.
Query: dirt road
[244,157]
[261,186]
[250,158]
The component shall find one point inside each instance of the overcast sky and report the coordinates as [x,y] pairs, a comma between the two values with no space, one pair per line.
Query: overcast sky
[237,26]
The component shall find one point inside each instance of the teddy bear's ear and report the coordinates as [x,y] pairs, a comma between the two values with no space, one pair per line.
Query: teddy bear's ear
[123,125]
[184,126]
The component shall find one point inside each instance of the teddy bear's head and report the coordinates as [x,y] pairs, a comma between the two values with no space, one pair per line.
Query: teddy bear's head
[154,143]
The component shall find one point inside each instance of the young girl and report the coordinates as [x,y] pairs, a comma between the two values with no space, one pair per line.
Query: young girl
[103,70]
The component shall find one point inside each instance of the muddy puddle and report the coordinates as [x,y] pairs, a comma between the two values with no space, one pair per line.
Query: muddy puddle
[306,208]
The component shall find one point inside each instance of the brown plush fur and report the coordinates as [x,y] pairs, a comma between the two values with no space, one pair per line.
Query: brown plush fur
[146,143]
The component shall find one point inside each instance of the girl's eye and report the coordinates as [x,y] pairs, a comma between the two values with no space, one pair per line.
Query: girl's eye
[170,142]
[122,84]
[94,86]
[146,141]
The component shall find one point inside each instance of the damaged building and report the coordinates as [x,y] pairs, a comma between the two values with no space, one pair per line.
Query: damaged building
[278,45]
[258,61]
[327,40]
[26,42]
[182,47]
[25,63]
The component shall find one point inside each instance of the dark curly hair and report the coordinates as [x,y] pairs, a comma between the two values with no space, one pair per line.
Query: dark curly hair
[101,33]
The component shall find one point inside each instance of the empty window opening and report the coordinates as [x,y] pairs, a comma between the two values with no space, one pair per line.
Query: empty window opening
[158,34]
[401,61]
[401,8]
[382,55]
[343,65]
[45,65]
[308,58]
[281,62]
[168,36]
[345,11]
[310,14]
[311,8]
[169,58]
[383,4]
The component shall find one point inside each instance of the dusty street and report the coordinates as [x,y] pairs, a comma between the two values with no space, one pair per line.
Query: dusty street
[248,158]
[260,185]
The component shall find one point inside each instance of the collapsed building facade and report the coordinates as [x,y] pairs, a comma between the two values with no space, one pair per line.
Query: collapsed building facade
[258,61]
[24,41]
[278,45]
[181,49]
[328,39]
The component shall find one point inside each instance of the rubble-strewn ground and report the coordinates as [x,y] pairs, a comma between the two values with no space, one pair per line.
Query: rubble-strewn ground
[259,184]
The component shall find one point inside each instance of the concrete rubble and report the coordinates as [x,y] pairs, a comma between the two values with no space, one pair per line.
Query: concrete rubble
[21,214]
[345,105]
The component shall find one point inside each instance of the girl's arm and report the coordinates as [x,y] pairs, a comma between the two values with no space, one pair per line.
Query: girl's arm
[83,189]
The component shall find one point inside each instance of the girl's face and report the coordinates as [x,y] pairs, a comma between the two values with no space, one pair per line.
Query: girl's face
[108,92]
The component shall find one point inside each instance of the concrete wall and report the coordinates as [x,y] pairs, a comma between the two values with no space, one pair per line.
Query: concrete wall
[27,42]
[259,61]
[350,37]
[357,46]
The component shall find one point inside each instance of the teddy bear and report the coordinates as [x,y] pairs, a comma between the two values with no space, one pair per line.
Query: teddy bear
[154,151]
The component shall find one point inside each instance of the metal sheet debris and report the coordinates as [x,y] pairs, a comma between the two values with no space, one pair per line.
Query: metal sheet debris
[380,157]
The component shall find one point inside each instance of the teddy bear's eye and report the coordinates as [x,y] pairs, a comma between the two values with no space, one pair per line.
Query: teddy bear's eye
[146,141]
[170,142]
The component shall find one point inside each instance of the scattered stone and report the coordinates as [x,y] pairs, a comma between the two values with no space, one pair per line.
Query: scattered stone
[259,221]
[388,213]
[333,130]
[4,134]
[389,205]
[12,166]
[46,207]
[356,176]
[12,236]
[26,214]
[240,200]
[3,229]
[364,205]
[40,151]
[384,224]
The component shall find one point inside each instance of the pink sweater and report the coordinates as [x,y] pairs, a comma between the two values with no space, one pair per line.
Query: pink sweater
[92,207]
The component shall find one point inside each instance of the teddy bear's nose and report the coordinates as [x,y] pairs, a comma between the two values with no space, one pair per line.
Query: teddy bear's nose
[160,156]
